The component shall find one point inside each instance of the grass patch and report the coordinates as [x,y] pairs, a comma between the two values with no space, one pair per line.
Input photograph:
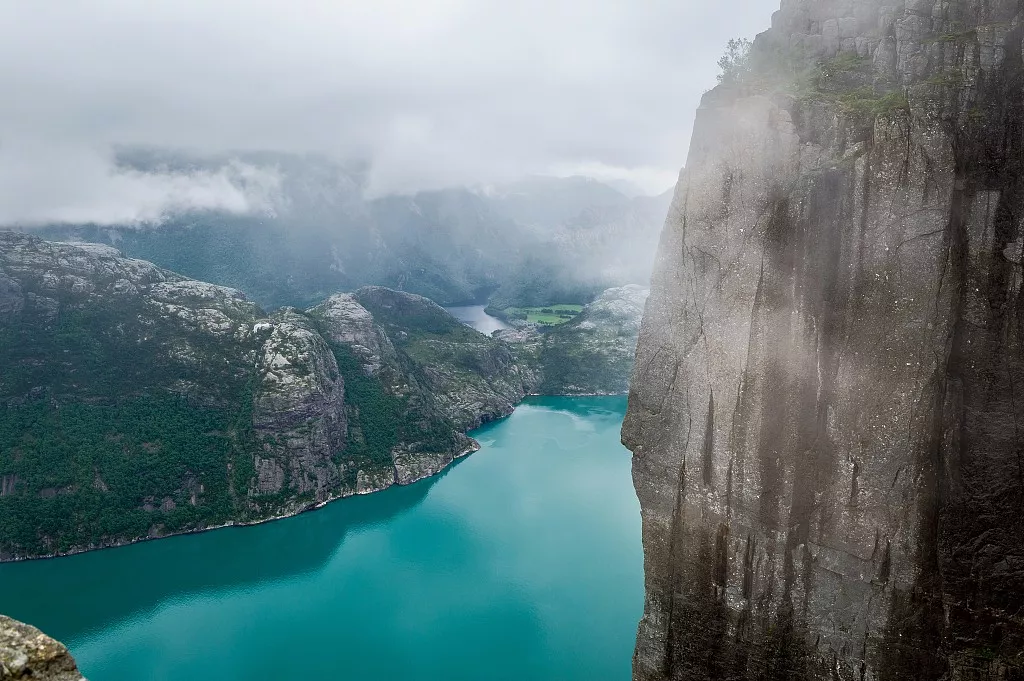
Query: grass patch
[547,315]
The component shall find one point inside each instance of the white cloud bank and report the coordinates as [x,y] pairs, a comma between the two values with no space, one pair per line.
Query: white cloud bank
[431,92]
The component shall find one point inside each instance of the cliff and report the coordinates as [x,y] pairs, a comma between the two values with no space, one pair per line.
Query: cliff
[824,413]
[137,403]
[27,653]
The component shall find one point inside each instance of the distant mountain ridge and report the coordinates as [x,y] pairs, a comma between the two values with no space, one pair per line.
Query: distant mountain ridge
[538,240]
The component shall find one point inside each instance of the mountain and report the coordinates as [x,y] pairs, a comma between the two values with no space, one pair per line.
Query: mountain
[823,412]
[136,402]
[540,240]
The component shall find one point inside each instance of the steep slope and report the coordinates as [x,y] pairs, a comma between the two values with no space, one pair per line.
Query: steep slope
[823,412]
[421,377]
[136,403]
[473,378]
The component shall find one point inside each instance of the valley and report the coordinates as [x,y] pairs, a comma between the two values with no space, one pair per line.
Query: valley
[139,403]
[516,561]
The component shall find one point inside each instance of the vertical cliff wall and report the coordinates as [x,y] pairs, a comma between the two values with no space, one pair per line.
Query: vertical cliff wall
[828,398]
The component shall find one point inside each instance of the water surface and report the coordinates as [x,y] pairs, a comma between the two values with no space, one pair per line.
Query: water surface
[474,315]
[521,562]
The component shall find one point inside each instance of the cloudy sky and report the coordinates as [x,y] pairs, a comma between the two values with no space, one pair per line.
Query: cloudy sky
[432,92]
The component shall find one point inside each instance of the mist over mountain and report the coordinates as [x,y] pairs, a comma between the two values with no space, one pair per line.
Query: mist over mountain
[311,228]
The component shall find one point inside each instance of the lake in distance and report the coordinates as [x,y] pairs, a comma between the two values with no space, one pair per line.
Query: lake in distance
[474,315]
[521,562]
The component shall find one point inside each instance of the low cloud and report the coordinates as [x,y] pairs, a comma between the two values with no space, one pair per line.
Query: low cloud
[431,93]
[41,185]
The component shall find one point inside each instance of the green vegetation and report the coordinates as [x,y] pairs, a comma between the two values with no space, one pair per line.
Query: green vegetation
[848,83]
[95,446]
[546,315]
[380,420]
[84,473]
[373,414]
[568,365]
[735,63]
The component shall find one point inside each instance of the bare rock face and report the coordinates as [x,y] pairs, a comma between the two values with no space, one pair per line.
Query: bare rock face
[824,410]
[442,377]
[347,322]
[27,653]
[299,409]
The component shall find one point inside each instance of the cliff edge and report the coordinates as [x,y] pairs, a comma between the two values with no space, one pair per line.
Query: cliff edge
[825,407]
[27,653]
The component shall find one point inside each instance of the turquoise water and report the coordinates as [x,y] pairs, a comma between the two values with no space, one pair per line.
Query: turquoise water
[522,561]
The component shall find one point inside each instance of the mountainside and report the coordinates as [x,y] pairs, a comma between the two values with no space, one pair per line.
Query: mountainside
[823,411]
[537,241]
[593,353]
[135,402]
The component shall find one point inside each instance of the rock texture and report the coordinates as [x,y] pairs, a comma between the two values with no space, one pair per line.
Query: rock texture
[27,653]
[299,409]
[825,408]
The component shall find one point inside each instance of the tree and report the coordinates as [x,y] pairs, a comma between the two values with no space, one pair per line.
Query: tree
[735,63]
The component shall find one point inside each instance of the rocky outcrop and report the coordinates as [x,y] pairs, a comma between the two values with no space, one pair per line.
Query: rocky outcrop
[824,409]
[299,409]
[426,438]
[27,653]
[173,404]
[593,353]
[345,321]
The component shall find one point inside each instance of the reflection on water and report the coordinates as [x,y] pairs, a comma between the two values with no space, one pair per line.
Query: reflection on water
[474,315]
[521,562]
[92,590]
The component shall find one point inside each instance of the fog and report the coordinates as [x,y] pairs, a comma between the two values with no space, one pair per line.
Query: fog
[428,93]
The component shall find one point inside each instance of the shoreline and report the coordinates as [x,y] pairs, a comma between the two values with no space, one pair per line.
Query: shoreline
[305,508]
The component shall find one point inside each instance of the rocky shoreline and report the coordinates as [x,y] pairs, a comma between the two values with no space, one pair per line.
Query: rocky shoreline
[307,508]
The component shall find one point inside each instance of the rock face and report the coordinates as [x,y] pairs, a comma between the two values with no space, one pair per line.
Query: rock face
[824,410]
[432,376]
[27,653]
[150,404]
[299,408]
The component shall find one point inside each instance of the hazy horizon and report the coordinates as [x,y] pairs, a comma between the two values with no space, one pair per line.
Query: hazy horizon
[429,94]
